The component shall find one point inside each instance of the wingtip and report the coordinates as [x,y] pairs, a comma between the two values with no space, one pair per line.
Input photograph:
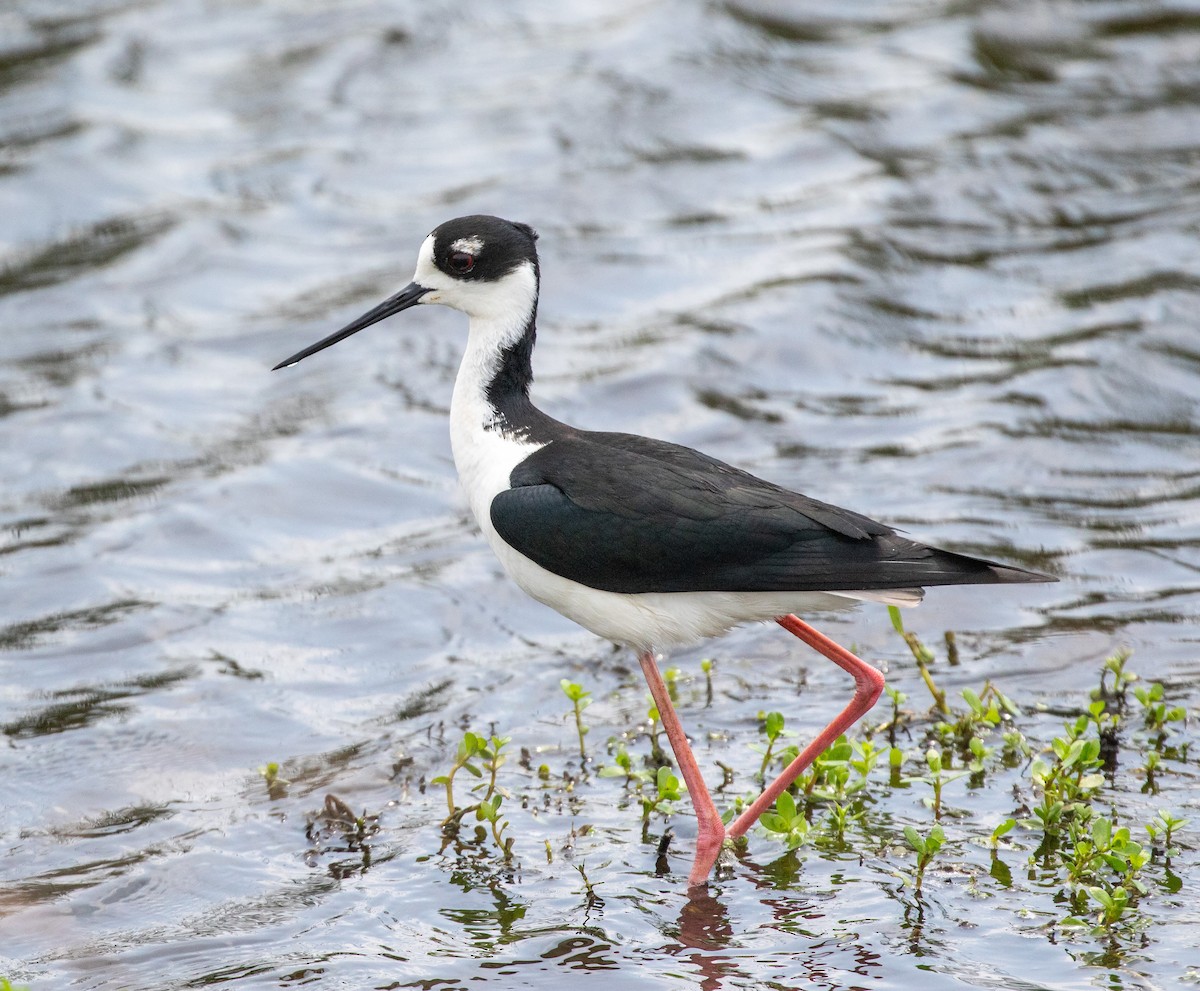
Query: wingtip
[1007,574]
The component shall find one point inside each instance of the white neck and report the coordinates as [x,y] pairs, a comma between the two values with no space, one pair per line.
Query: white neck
[485,451]
[470,409]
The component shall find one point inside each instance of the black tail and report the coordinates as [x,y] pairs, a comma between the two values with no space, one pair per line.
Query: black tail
[948,568]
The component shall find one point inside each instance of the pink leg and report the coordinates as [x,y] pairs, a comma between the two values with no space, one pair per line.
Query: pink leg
[711,832]
[868,684]
[710,829]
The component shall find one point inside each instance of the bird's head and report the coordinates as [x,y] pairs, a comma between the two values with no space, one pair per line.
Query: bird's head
[484,266]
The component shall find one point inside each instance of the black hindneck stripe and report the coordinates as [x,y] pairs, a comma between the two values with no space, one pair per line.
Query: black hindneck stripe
[515,372]
[508,393]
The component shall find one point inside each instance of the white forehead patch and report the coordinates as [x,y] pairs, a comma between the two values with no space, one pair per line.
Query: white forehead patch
[470,245]
[425,267]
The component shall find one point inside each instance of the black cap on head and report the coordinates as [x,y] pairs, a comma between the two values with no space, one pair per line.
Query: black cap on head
[497,247]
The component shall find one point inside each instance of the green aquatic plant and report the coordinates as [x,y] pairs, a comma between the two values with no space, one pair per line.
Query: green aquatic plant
[1150,762]
[469,748]
[897,698]
[489,811]
[622,765]
[667,790]
[493,757]
[472,748]
[1162,829]
[985,711]
[580,700]
[925,847]
[937,778]
[1006,827]
[786,822]
[1016,748]
[924,657]
[1156,714]
[835,780]
[1114,665]
[671,680]
[1103,865]
[980,755]
[865,755]
[657,788]
[1072,775]
[277,785]
[706,666]
[771,725]
[657,754]
[830,773]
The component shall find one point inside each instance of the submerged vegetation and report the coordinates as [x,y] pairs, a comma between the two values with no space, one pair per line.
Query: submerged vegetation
[1085,851]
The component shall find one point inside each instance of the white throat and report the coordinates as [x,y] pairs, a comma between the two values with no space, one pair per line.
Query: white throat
[484,452]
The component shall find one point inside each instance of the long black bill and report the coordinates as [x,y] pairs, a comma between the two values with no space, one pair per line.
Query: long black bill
[410,295]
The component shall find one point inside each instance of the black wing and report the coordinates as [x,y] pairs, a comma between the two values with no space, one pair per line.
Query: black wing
[624,513]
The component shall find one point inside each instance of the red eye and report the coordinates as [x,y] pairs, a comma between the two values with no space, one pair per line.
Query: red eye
[461,262]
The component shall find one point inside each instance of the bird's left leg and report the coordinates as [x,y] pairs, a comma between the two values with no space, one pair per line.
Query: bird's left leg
[710,831]
[868,685]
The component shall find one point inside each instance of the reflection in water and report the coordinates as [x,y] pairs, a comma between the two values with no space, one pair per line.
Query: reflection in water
[79,708]
[81,253]
[720,958]
[583,953]
[703,929]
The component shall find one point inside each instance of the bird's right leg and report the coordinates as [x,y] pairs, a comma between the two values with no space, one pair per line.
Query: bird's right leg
[868,685]
[710,831]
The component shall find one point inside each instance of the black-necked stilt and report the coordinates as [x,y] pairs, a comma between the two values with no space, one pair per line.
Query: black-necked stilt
[642,542]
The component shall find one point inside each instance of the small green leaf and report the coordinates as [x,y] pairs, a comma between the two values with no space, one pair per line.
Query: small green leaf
[786,805]
[1007,704]
[1116,863]
[1003,828]
[773,724]
[773,823]
[915,840]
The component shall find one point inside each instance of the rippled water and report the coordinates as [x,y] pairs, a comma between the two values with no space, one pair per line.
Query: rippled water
[936,262]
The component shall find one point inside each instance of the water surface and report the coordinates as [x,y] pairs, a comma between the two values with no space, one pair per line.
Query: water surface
[935,262]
